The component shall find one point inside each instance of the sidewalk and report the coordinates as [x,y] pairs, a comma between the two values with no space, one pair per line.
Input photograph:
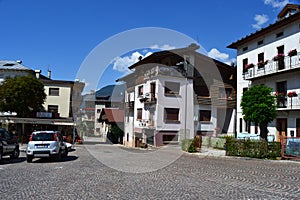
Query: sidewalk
[22,147]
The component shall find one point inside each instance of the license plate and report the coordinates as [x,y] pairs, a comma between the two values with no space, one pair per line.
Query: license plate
[41,155]
[42,146]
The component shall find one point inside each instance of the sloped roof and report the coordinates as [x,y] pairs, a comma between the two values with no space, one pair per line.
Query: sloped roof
[13,65]
[114,114]
[112,93]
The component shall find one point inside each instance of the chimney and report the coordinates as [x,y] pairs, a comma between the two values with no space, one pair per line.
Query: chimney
[49,74]
[19,61]
[37,73]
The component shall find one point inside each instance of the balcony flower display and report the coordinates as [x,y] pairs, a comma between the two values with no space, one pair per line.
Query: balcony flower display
[278,57]
[261,63]
[292,53]
[279,94]
[248,66]
[292,94]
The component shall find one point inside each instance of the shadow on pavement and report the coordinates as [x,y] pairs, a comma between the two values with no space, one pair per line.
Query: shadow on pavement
[6,161]
[50,160]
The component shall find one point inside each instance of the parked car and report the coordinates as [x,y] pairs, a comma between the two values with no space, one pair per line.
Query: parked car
[46,144]
[8,145]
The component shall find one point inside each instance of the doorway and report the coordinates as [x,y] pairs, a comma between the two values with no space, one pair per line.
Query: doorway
[281,125]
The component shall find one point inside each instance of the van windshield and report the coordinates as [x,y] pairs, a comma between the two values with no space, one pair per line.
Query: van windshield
[43,137]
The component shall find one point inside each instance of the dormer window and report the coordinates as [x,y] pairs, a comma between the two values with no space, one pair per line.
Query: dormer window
[260,42]
[287,11]
[279,34]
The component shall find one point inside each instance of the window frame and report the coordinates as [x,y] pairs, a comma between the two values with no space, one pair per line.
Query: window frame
[169,88]
[171,115]
[54,91]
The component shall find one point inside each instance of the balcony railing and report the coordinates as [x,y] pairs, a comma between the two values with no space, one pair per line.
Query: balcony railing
[288,103]
[285,63]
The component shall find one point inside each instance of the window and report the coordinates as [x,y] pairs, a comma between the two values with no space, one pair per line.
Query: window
[53,91]
[53,108]
[280,49]
[205,115]
[171,115]
[172,88]
[260,57]
[245,48]
[279,34]
[281,87]
[261,60]
[139,113]
[245,62]
[260,42]
[140,90]
[241,125]
[170,138]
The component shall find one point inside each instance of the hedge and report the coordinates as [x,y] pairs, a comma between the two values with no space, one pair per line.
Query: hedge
[252,148]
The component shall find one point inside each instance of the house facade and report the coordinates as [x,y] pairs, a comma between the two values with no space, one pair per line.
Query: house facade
[172,95]
[61,105]
[270,57]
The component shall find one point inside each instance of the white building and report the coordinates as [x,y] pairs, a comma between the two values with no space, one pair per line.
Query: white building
[174,95]
[268,50]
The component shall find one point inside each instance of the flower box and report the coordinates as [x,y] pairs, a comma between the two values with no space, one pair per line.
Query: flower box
[292,94]
[248,66]
[292,53]
[261,64]
[278,57]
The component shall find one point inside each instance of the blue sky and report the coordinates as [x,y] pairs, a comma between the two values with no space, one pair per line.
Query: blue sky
[60,34]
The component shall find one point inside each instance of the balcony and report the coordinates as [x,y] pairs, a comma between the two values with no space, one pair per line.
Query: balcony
[284,64]
[146,123]
[148,98]
[288,103]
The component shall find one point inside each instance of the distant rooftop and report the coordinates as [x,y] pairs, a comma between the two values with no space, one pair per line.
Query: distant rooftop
[13,65]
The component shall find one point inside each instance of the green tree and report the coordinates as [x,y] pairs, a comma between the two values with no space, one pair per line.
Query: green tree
[117,131]
[22,94]
[259,106]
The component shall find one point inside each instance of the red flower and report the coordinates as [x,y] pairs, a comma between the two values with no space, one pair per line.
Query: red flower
[292,94]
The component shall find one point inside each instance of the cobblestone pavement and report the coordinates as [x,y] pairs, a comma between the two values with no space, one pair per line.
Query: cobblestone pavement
[81,176]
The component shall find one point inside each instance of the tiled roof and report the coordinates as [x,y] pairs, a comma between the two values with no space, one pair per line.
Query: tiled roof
[12,65]
[114,114]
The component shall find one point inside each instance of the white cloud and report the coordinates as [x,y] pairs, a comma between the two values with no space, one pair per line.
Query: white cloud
[276,4]
[223,57]
[162,47]
[260,21]
[121,64]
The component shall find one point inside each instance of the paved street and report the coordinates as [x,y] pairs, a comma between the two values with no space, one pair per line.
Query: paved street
[82,175]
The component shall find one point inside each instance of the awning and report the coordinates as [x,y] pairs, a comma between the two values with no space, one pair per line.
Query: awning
[17,120]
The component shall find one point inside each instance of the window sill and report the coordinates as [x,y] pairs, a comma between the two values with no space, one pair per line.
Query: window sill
[172,95]
[172,122]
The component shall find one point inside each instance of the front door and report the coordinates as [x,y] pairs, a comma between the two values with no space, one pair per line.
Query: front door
[281,128]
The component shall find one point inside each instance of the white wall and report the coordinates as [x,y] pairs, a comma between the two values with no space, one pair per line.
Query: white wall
[63,100]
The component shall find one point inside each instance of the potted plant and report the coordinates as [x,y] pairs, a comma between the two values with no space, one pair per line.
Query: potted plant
[278,57]
[248,66]
[292,52]
[292,94]
[261,63]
